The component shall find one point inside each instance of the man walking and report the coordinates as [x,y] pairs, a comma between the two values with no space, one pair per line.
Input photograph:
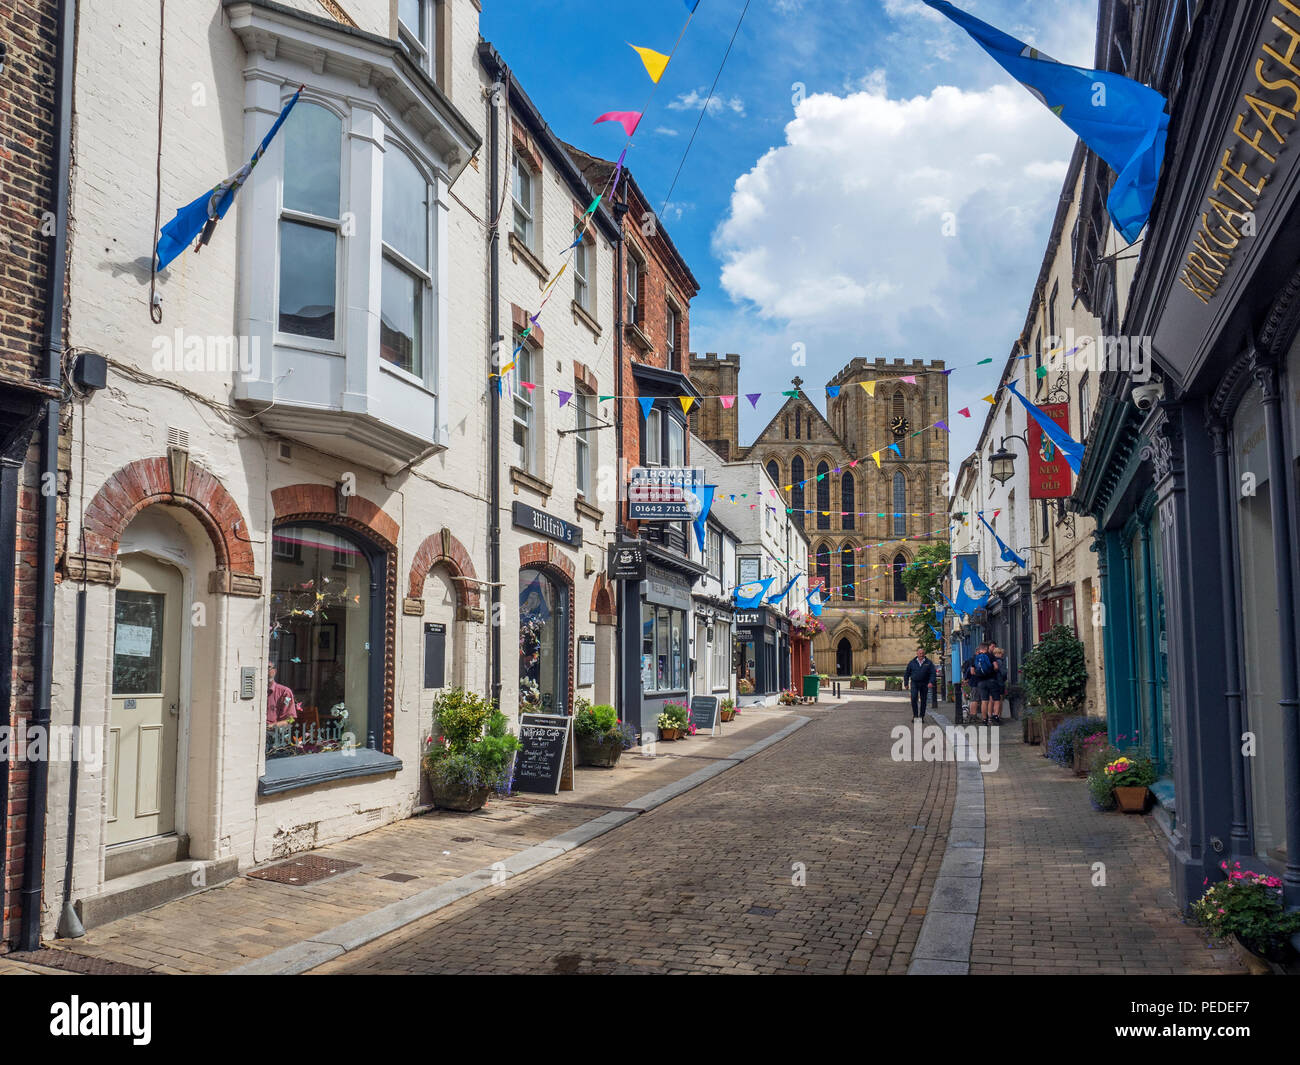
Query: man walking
[920,677]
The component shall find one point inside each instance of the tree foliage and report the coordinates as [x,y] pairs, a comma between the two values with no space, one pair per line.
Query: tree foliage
[922,578]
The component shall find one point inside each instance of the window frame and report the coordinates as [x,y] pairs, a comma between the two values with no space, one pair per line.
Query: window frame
[653,432]
[517,391]
[899,524]
[422,51]
[583,447]
[582,287]
[634,311]
[424,275]
[520,166]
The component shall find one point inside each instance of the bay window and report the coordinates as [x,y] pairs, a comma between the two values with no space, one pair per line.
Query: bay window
[676,444]
[309,221]
[653,438]
[407,281]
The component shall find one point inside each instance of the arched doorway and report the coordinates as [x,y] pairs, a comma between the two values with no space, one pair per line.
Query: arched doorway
[844,658]
[544,637]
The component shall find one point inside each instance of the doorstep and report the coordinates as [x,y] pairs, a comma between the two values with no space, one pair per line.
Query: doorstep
[148,888]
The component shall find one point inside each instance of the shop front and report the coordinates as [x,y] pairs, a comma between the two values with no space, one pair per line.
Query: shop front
[762,655]
[666,616]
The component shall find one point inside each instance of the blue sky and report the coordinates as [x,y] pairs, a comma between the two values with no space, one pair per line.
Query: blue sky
[821,221]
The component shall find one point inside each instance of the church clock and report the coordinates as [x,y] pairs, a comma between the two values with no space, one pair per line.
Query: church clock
[900,426]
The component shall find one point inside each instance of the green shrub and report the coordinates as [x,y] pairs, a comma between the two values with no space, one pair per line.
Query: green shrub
[595,720]
[472,745]
[460,717]
[1056,672]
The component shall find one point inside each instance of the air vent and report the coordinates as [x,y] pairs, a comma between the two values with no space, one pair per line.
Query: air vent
[285,452]
[178,438]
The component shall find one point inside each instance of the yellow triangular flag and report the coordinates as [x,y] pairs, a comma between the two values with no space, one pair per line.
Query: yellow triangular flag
[655,62]
[870,386]
[989,399]
[876,455]
[686,402]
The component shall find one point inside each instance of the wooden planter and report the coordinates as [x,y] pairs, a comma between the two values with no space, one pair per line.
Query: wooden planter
[1132,800]
[456,797]
[727,715]
[1049,723]
[668,734]
[598,751]
[1080,766]
[855,683]
[1031,730]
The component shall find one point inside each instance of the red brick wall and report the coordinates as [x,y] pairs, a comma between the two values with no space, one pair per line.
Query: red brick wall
[27,28]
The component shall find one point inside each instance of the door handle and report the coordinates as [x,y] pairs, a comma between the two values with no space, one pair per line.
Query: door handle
[175,712]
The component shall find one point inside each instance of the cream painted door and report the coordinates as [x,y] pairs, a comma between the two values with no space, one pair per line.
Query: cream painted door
[145,716]
[702,658]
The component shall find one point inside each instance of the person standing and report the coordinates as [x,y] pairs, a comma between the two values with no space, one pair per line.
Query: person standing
[981,670]
[920,677]
[998,685]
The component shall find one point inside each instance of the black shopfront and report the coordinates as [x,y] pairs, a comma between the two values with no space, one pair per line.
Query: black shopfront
[1193,473]
[762,638]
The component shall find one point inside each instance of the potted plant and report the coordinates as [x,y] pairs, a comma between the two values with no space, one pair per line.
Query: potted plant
[858,680]
[600,737]
[790,697]
[893,684]
[673,721]
[1248,907]
[1131,777]
[1056,677]
[1066,740]
[744,686]
[727,709]
[1085,753]
[471,753]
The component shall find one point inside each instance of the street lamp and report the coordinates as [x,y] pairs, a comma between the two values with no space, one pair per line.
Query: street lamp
[1002,463]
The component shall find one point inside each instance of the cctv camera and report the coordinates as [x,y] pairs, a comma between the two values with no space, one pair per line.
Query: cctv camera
[1146,396]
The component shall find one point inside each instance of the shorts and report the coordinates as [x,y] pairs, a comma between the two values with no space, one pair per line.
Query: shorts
[987,690]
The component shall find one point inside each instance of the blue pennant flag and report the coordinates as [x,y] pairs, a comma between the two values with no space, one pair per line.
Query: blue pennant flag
[937,634]
[773,600]
[198,219]
[1069,447]
[646,403]
[972,593]
[1120,119]
[816,602]
[832,390]
[701,519]
[752,594]
[1007,554]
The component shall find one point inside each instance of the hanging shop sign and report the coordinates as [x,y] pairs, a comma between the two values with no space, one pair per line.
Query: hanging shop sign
[538,521]
[627,562]
[664,493]
[1049,473]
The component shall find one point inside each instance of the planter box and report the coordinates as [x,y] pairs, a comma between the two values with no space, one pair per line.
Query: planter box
[1049,723]
[855,683]
[726,715]
[1133,800]
[668,734]
[456,797]
[1080,767]
[1031,730]
[594,751]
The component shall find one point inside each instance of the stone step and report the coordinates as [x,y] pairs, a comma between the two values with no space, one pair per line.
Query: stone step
[147,888]
[127,858]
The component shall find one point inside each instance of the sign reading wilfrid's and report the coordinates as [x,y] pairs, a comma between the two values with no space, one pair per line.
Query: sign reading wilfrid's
[538,521]
[664,493]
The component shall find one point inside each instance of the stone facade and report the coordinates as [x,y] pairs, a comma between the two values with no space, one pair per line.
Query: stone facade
[863,521]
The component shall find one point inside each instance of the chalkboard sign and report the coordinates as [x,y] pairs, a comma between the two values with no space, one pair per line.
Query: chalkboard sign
[704,712]
[540,763]
[556,721]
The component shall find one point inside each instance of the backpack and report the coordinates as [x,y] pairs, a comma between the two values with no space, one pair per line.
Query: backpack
[984,667]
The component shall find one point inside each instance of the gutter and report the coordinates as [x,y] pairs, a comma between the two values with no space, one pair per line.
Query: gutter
[29,935]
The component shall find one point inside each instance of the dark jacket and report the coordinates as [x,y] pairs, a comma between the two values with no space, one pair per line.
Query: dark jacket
[919,674]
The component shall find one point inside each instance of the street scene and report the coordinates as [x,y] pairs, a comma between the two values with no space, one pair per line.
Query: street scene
[717,487]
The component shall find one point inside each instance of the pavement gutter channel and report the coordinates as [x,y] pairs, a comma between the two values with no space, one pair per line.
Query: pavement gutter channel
[944,945]
[325,946]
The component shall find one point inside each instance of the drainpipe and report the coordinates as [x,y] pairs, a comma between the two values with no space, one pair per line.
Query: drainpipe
[29,934]
[494,409]
[622,676]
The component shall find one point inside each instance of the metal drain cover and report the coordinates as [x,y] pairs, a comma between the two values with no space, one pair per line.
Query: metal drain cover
[306,869]
[398,878]
[71,962]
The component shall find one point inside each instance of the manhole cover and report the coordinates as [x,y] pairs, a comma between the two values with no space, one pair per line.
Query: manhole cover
[762,911]
[307,869]
[71,962]
[398,878]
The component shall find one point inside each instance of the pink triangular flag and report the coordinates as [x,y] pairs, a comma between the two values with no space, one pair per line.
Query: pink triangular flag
[728,401]
[528,385]
[627,119]
[964,412]
[909,380]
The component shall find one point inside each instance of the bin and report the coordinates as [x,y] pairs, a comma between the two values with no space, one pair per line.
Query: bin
[812,683]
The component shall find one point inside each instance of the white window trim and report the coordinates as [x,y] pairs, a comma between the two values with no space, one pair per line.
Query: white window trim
[587,248]
[632,292]
[422,52]
[655,418]
[529,240]
[519,395]
[425,274]
[581,443]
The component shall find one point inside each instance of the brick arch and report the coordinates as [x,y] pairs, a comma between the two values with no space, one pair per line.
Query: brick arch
[323,503]
[177,482]
[547,557]
[603,609]
[443,549]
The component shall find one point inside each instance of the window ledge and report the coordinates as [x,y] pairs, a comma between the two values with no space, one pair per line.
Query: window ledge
[638,337]
[307,770]
[523,477]
[588,511]
[520,250]
[581,314]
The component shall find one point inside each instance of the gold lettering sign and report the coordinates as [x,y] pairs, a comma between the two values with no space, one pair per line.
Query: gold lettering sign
[1268,114]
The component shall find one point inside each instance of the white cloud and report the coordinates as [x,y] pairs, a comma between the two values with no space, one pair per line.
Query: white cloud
[666,131]
[694,101]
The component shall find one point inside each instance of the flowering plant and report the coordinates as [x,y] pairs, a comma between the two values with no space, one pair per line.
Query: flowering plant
[1249,906]
[789,697]
[680,714]
[1126,772]
[666,721]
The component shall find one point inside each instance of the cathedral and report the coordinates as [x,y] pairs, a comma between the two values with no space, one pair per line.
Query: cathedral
[868,481]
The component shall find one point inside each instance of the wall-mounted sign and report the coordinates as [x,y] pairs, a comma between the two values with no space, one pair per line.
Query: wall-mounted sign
[749,617]
[586,661]
[1049,473]
[538,521]
[627,562]
[666,589]
[664,493]
[749,568]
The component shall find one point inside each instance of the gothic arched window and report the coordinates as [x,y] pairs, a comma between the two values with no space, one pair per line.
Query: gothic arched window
[847,501]
[823,496]
[900,589]
[846,572]
[824,568]
[900,505]
[774,471]
[796,489]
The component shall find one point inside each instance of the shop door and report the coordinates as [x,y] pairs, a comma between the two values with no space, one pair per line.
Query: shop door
[144,720]
[703,659]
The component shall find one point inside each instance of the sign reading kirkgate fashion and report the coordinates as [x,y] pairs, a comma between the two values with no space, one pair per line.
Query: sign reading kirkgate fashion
[538,521]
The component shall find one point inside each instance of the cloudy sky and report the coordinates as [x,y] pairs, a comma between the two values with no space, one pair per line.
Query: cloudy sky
[866,181]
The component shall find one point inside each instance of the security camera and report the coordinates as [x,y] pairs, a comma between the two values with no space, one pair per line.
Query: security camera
[1146,396]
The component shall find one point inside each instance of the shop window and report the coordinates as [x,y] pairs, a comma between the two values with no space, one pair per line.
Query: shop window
[823,496]
[407,296]
[326,684]
[663,653]
[543,643]
[721,656]
[847,501]
[309,221]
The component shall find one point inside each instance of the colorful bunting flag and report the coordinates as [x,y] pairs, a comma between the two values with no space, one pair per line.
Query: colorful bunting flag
[686,402]
[646,403]
[832,390]
[655,62]
[964,412]
[564,397]
[908,380]
[870,386]
[629,120]
[753,397]
[728,401]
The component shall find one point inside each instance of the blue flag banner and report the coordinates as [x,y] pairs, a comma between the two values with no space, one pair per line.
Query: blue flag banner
[815,602]
[1120,119]
[752,594]
[198,219]
[937,634]
[646,403]
[972,593]
[701,519]
[773,600]
[1007,554]
[1069,447]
